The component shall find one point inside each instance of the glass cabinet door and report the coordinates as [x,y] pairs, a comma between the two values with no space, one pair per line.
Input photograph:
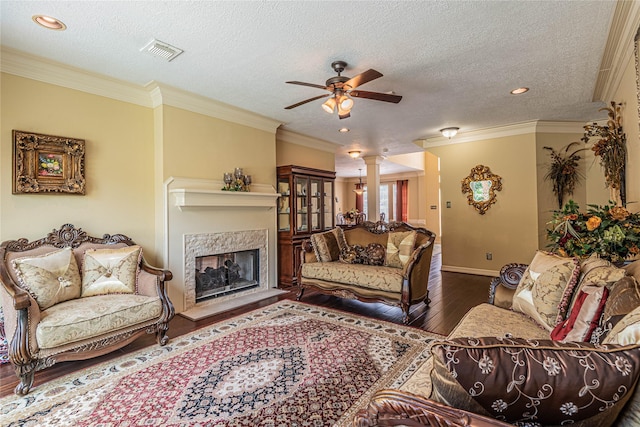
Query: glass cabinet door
[301,184]
[327,204]
[284,205]
[315,204]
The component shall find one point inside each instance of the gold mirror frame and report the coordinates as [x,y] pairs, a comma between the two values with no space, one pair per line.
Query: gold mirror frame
[47,164]
[480,187]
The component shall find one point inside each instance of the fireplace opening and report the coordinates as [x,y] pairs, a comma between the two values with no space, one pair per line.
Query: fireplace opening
[225,274]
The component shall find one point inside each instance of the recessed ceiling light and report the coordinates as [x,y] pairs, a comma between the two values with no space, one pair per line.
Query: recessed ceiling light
[343,130]
[49,22]
[519,91]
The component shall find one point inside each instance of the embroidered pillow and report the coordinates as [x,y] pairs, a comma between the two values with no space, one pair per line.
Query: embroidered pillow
[327,245]
[546,287]
[399,248]
[373,254]
[50,278]
[584,316]
[110,271]
[548,382]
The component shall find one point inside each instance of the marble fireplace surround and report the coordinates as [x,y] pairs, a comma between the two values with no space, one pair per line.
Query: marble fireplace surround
[197,245]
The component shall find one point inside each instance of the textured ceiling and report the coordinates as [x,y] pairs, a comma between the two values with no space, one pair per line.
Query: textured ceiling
[454,62]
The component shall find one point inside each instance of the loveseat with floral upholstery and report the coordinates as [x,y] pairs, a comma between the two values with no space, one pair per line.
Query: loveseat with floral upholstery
[371,262]
[70,296]
[559,345]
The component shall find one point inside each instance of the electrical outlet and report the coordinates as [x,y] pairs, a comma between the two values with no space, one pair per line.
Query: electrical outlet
[489,256]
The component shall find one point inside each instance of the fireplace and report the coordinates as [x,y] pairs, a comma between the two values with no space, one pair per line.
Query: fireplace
[225,274]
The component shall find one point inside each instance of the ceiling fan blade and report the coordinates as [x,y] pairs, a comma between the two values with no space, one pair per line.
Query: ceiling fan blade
[308,84]
[306,100]
[375,95]
[362,78]
[344,116]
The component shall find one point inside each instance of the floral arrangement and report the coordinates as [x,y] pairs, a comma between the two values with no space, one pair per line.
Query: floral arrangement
[611,148]
[563,171]
[610,231]
[352,214]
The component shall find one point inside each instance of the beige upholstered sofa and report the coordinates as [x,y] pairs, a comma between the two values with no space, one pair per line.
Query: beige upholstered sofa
[500,363]
[70,296]
[371,262]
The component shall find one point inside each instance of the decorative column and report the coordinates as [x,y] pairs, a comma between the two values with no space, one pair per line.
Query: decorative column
[373,187]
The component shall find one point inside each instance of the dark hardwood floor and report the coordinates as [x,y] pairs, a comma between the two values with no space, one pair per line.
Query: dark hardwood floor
[452,295]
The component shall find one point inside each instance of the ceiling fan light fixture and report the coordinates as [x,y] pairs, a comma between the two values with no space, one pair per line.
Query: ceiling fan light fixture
[449,132]
[330,105]
[355,154]
[346,103]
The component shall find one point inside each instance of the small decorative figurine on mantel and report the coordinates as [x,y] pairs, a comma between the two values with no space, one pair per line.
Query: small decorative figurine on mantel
[236,181]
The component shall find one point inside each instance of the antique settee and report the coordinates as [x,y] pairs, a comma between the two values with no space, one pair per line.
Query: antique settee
[559,345]
[371,262]
[70,296]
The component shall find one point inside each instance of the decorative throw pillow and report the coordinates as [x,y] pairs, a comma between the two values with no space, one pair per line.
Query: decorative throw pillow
[624,297]
[548,382]
[626,331]
[584,316]
[633,269]
[50,278]
[373,254]
[327,245]
[399,248]
[110,271]
[546,287]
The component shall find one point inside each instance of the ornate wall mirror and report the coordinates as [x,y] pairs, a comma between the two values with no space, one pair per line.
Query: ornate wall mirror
[480,187]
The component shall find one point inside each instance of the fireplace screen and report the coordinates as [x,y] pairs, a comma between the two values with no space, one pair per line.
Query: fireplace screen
[224,274]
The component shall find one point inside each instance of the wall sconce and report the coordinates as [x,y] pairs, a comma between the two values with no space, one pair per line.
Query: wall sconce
[449,132]
[355,154]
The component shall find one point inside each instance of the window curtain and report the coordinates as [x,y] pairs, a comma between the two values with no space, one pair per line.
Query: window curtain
[402,199]
[359,202]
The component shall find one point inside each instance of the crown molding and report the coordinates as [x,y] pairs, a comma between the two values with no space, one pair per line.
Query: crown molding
[618,50]
[532,127]
[152,95]
[162,94]
[306,141]
[44,70]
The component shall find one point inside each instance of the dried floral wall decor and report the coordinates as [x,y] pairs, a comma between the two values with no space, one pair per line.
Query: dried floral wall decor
[611,148]
[563,171]
[47,164]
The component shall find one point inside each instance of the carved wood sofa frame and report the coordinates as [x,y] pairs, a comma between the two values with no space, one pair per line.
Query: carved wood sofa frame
[416,272]
[24,361]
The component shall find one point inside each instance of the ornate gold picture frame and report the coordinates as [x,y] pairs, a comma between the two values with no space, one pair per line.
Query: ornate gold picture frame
[480,187]
[47,164]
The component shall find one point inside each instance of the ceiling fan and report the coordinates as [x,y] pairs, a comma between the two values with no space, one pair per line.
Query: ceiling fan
[342,88]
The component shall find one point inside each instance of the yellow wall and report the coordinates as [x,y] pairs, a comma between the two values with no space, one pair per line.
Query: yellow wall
[509,228]
[432,194]
[288,153]
[627,94]
[119,163]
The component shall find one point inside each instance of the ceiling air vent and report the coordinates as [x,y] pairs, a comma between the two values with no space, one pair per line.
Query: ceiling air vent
[161,50]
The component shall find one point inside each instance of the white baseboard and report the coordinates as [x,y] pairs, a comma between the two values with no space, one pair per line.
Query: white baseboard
[467,270]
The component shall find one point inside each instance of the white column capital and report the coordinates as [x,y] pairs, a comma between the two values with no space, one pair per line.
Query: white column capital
[373,160]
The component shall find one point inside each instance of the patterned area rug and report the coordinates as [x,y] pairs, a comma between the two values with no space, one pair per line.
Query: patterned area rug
[287,364]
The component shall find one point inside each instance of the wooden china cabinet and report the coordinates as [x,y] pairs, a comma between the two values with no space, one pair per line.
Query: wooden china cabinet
[305,207]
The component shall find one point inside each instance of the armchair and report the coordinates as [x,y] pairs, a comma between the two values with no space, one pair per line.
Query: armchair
[70,296]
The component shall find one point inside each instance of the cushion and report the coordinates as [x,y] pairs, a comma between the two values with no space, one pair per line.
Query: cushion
[624,297]
[50,278]
[373,254]
[399,248]
[548,382]
[626,331]
[110,271]
[633,269]
[584,316]
[327,245]
[546,288]
[381,278]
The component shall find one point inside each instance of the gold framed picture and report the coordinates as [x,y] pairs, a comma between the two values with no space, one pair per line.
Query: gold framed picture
[47,164]
[480,187]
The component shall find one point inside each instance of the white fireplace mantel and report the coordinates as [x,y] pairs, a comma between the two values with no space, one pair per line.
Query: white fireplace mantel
[209,193]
